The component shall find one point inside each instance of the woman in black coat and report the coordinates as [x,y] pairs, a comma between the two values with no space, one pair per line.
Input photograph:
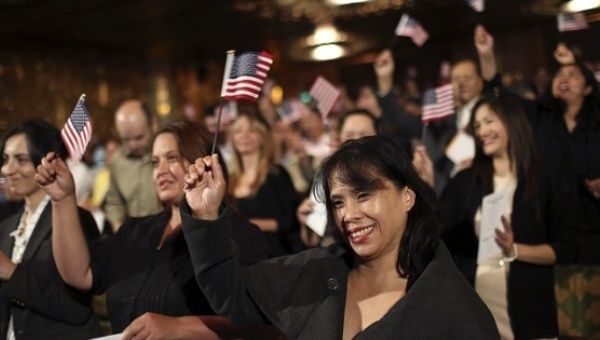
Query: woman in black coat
[520,294]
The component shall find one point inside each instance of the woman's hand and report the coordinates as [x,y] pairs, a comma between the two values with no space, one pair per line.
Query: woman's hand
[423,164]
[205,187]
[564,55]
[7,267]
[484,41]
[505,239]
[151,326]
[55,178]
[593,185]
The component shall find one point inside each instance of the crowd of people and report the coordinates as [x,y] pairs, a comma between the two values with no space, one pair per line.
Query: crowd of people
[187,243]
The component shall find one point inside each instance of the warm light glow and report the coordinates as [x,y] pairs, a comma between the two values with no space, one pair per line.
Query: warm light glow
[580,5]
[328,52]
[277,95]
[325,34]
[345,2]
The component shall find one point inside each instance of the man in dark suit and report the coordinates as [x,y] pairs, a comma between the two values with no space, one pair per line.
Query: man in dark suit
[446,140]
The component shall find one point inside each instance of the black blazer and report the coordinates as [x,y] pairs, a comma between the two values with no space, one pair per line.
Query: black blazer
[531,304]
[303,295]
[42,306]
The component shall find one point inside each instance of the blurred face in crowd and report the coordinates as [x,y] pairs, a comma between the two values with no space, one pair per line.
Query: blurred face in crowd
[371,221]
[312,126]
[17,167]
[134,129]
[169,169]
[569,84]
[246,135]
[367,100]
[490,132]
[466,82]
[357,126]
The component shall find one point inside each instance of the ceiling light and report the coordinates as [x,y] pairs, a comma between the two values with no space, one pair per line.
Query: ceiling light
[580,5]
[328,52]
[325,34]
[345,2]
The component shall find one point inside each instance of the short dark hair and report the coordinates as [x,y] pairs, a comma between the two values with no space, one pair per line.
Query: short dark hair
[362,164]
[41,137]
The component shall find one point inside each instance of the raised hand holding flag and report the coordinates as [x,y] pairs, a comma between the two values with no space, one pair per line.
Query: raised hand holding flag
[77,131]
[245,75]
[571,22]
[410,27]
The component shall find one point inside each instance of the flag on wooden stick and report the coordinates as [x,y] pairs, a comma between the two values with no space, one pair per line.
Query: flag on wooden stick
[77,131]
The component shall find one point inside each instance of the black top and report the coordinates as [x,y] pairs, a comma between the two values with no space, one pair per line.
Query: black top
[571,158]
[530,287]
[41,304]
[139,277]
[303,295]
[277,199]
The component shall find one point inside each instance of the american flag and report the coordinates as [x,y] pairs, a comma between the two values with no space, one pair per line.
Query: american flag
[437,103]
[245,75]
[477,5]
[77,132]
[325,94]
[409,27]
[292,110]
[571,22]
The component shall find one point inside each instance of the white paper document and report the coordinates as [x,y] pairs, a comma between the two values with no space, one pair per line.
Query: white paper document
[110,337]
[317,219]
[461,148]
[492,208]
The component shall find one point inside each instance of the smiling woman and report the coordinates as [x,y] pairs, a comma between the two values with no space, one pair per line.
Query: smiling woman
[387,277]
[145,267]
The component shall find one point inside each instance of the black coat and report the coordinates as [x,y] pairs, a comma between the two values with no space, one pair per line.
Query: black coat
[530,289]
[43,307]
[303,295]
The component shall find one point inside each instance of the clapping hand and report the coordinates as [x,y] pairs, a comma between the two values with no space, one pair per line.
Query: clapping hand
[505,239]
[55,178]
[205,187]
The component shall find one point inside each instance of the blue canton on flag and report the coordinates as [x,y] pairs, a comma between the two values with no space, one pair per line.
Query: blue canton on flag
[247,76]
[77,131]
[437,103]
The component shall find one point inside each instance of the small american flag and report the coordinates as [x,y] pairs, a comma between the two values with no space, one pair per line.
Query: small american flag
[245,75]
[409,27]
[77,132]
[325,94]
[571,22]
[292,110]
[437,103]
[477,5]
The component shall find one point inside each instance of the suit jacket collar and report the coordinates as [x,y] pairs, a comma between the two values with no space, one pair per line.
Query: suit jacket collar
[40,232]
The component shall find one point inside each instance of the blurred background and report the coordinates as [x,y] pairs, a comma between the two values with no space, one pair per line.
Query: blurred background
[171,53]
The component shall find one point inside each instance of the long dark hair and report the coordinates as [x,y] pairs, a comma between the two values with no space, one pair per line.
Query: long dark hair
[590,109]
[521,145]
[363,164]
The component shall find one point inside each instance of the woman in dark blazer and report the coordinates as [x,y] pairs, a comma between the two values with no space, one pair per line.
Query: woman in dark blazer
[34,302]
[387,277]
[145,268]
[520,294]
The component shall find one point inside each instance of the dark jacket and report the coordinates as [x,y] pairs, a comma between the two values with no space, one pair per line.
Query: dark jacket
[43,307]
[304,295]
[530,289]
